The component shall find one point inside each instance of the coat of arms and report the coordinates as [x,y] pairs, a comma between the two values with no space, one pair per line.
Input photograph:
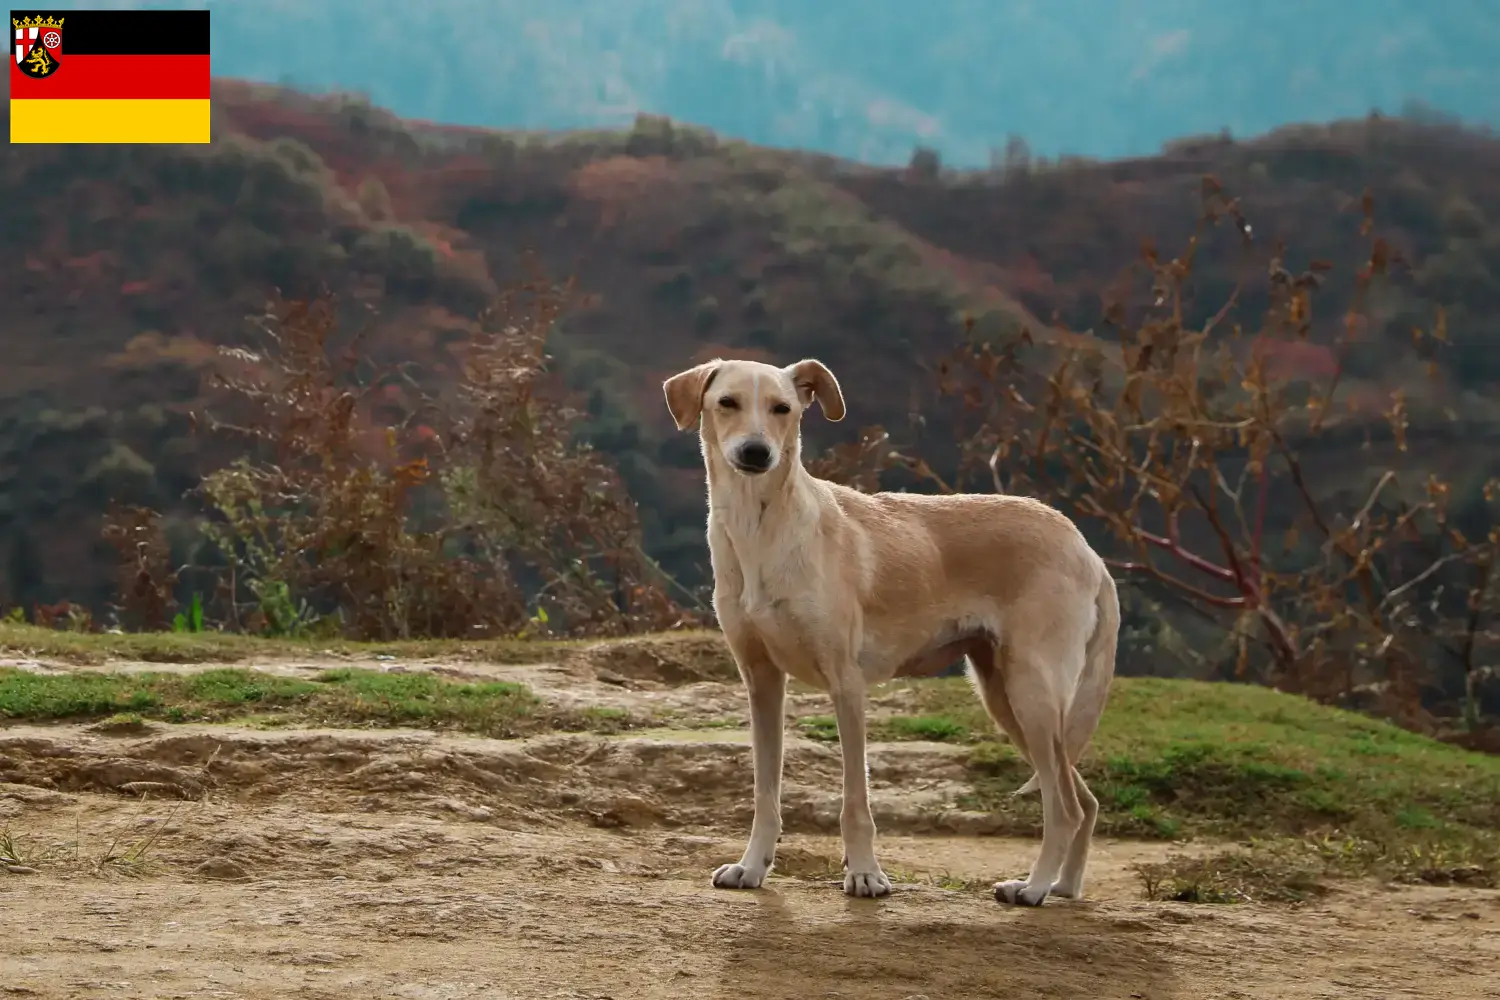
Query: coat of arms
[38,45]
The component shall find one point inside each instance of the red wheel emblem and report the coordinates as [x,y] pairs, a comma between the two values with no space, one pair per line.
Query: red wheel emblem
[51,40]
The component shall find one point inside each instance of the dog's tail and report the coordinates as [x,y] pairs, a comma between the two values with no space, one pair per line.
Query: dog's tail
[1093,685]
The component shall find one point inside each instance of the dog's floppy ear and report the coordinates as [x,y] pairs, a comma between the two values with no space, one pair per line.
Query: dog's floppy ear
[814,381]
[685,391]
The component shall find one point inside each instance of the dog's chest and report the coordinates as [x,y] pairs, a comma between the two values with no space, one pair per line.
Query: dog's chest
[765,573]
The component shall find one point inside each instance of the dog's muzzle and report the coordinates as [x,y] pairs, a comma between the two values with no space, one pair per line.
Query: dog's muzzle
[752,457]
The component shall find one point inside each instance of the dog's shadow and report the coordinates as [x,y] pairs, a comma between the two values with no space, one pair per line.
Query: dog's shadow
[913,945]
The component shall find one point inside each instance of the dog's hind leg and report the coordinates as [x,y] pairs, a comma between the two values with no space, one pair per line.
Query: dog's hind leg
[1083,719]
[990,683]
[766,686]
[987,673]
[1069,884]
[1035,694]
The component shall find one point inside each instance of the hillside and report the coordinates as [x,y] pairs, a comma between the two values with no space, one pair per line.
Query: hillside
[126,266]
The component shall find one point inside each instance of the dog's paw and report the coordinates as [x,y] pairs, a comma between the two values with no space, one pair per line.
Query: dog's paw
[1016,893]
[738,877]
[867,884]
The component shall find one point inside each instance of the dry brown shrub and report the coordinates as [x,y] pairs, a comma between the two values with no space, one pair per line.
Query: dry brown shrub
[146,577]
[1194,453]
[371,502]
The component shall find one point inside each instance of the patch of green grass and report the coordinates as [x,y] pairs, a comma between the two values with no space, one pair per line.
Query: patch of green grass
[937,728]
[819,727]
[228,647]
[1181,758]
[121,724]
[343,696]
[422,699]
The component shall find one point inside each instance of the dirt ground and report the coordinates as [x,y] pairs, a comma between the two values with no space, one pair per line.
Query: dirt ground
[197,861]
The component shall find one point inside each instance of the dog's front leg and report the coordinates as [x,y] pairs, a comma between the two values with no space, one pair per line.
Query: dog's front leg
[864,876]
[766,686]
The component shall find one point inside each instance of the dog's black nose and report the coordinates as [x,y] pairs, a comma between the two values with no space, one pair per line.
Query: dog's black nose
[755,456]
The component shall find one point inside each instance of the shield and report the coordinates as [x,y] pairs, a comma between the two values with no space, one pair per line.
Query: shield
[38,47]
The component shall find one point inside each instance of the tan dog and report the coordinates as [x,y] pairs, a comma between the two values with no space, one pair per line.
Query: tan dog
[842,589]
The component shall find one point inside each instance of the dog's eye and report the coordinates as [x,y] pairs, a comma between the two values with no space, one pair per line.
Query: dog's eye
[781,408]
[729,403]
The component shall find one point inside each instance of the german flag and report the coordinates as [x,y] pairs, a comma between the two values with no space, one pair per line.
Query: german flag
[109,76]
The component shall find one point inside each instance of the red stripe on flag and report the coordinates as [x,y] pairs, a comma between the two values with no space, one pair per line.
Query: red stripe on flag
[115,77]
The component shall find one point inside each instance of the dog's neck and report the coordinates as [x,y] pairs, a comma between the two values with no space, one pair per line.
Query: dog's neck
[746,504]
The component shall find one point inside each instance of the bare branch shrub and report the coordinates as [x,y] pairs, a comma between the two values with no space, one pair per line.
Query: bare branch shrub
[380,507]
[1205,468]
[147,578]
[535,502]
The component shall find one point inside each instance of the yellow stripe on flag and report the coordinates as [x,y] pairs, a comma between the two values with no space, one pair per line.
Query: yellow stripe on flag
[136,121]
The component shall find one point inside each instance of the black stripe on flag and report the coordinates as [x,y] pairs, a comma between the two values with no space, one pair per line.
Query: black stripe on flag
[127,32]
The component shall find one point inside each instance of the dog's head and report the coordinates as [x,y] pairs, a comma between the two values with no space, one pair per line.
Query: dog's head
[751,412]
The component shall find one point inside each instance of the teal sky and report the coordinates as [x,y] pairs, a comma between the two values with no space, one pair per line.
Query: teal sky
[870,79]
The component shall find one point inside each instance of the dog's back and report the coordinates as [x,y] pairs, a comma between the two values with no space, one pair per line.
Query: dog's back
[997,545]
[934,571]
